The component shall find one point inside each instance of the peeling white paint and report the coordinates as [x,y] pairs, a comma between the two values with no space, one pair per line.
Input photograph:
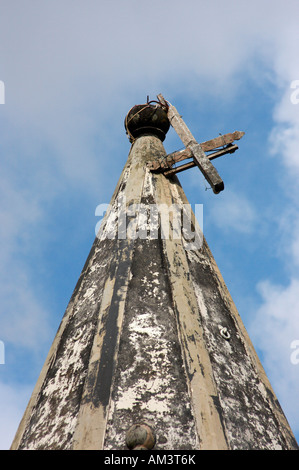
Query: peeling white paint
[90,292]
[147,387]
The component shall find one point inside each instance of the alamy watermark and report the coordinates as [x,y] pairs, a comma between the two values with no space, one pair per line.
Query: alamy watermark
[295,94]
[2,92]
[295,354]
[151,222]
[2,353]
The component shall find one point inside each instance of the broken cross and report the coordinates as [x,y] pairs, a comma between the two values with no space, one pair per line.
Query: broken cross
[195,150]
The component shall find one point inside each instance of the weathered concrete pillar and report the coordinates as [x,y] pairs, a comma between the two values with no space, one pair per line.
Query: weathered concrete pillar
[151,350]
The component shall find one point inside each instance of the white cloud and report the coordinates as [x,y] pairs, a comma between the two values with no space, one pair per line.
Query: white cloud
[284,139]
[276,321]
[273,327]
[287,242]
[72,71]
[23,320]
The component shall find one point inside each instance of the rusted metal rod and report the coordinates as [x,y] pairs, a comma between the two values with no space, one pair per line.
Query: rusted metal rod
[212,156]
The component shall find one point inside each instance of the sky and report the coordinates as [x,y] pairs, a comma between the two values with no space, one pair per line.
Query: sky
[71,70]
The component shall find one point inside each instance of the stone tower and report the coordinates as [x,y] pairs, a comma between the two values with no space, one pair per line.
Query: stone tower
[151,351]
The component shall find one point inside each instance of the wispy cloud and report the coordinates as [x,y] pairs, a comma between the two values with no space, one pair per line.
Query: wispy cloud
[275,323]
[72,71]
[273,327]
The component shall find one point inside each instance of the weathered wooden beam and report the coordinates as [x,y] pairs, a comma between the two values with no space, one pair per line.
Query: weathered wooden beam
[186,166]
[177,123]
[170,160]
[199,156]
[166,163]
[221,140]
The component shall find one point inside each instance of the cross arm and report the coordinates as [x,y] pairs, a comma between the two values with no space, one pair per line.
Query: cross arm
[168,171]
[164,164]
[221,140]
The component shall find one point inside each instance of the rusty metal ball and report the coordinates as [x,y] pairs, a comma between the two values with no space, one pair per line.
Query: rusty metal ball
[146,119]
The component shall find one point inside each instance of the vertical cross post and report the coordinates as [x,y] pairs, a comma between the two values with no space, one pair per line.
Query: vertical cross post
[199,156]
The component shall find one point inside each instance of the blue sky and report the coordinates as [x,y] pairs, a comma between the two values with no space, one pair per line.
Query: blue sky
[72,70]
